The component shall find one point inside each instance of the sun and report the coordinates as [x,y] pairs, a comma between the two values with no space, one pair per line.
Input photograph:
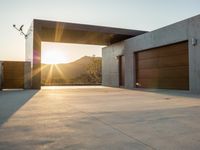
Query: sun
[53,56]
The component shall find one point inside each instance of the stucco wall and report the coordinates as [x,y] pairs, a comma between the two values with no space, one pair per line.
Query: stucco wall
[178,32]
[110,73]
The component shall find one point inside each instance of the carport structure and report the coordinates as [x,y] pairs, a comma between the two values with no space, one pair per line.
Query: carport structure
[52,31]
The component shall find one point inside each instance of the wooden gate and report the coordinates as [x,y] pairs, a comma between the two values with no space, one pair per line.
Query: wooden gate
[12,75]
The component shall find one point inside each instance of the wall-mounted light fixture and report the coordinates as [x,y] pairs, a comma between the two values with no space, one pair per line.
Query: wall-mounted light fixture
[138,84]
[194,41]
[117,57]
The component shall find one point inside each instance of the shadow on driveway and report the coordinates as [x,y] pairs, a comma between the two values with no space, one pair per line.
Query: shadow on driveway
[11,101]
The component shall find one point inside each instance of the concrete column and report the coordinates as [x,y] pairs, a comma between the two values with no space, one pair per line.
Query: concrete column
[27,75]
[194,54]
[110,64]
[36,70]
[129,70]
[194,68]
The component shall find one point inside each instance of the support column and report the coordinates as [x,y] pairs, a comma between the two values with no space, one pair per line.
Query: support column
[129,70]
[27,75]
[36,70]
[194,54]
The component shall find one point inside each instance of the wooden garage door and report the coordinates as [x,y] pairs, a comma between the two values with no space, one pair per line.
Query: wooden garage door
[164,67]
[13,75]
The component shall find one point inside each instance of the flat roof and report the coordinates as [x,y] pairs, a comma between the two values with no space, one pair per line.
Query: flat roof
[53,31]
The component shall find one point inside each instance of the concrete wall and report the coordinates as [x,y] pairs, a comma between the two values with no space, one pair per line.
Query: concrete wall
[178,32]
[27,75]
[33,54]
[29,45]
[110,73]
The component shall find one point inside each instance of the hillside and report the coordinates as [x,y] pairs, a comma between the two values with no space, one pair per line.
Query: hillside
[76,72]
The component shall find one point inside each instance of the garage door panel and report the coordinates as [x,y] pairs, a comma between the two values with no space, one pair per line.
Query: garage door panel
[167,67]
[147,55]
[176,83]
[173,52]
[173,61]
[148,73]
[147,83]
[147,63]
[178,49]
[180,72]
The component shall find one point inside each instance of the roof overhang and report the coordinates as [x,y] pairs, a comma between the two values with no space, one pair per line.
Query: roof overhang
[53,31]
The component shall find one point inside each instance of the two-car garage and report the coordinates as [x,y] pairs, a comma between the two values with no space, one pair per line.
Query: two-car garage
[165,67]
[166,58]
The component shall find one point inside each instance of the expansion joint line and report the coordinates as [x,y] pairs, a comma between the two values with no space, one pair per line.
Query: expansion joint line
[114,128]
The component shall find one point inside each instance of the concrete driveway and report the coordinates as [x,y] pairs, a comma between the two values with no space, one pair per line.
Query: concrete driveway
[99,118]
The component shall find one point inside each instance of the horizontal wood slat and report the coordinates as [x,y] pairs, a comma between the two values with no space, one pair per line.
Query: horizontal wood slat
[170,50]
[178,72]
[13,84]
[164,67]
[13,75]
[160,62]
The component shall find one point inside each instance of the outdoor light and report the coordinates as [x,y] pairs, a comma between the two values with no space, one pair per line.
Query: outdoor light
[20,29]
[138,84]
[194,41]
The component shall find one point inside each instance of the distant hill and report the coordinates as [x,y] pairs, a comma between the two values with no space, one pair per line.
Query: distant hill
[77,72]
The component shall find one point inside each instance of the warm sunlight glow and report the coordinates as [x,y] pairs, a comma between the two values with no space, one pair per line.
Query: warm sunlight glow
[57,53]
[52,56]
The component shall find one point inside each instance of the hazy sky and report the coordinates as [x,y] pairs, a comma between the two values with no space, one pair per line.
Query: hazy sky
[132,14]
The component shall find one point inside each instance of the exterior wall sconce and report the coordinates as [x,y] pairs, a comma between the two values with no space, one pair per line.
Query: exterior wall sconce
[138,84]
[116,57]
[194,41]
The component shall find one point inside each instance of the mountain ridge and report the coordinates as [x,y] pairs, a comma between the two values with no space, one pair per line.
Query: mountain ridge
[68,73]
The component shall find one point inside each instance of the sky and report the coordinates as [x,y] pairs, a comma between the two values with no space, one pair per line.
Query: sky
[145,15]
[58,53]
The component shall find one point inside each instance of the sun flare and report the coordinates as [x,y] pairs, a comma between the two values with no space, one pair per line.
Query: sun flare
[53,57]
[61,53]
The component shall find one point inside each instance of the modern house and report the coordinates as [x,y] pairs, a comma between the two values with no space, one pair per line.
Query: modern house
[167,58]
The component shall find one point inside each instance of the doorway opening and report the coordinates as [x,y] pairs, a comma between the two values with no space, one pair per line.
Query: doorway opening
[70,64]
[121,71]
